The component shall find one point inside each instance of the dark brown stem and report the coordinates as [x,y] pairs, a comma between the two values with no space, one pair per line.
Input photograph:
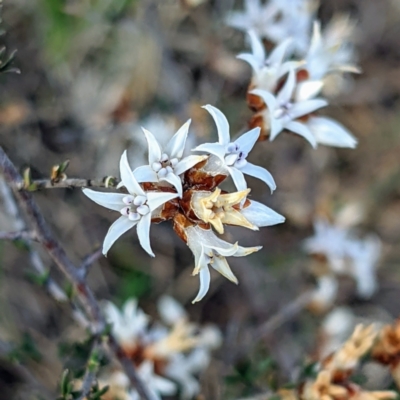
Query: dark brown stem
[72,273]
[39,184]
[20,235]
[89,260]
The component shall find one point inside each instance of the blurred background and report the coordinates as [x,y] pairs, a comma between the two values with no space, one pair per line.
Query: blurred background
[92,73]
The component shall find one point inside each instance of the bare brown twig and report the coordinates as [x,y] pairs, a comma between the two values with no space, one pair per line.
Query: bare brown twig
[72,273]
[19,235]
[38,184]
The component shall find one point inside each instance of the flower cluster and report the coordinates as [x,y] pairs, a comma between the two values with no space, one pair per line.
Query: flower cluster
[186,191]
[332,379]
[284,91]
[167,355]
[337,251]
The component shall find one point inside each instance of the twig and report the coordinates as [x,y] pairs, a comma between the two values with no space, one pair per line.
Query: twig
[72,273]
[38,184]
[89,260]
[19,235]
[91,369]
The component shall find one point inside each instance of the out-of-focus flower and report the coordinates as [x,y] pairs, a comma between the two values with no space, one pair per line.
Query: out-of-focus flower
[233,154]
[347,254]
[325,294]
[209,250]
[284,111]
[178,351]
[331,53]
[267,70]
[136,207]
[167,164]
[128,325]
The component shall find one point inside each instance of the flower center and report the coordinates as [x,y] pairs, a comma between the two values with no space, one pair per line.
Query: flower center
[164,166]
[235,156]
[136,207]
[283,110]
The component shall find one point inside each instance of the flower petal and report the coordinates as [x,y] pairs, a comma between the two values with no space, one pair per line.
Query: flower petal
[261,215]
[175,181]
[257,47]
[330,133]
[127,177]
[222,124]
[278,53]
[247,141]
[187,163]
[250,59]
[285,94]
[221,265]
[306,107]
[308,89]
[260,173]
[145,174]
[117,229]
[176,145]
[156,199]
[212,148]
[112,201]
[302,130]
[238,178]
[268,97]
[205,278]
[143,231]
[154,147]
[245,251]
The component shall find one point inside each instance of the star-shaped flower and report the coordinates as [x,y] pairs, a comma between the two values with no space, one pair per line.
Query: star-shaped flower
[210,250]
[283,110]
[136,207]
[167,164]
[233,154]
[268,70]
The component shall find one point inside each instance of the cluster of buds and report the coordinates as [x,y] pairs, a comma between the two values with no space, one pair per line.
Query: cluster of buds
[336,251]
[387,349]
[333,374]
[168,354]
[284,91]
[185,190]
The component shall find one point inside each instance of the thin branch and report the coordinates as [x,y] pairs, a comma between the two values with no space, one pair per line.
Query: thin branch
[72,273]
[39,184]
[19,235]
[91,369]
[89,260]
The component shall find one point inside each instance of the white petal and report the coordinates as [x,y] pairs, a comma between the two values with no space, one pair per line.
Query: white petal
[245,251]
[187,163]
[308,89]
[143,231]
[156,199]
[175,181]
[278,53]
[257,46]
[249,58]
[170,310]
[285,94]
[329,132]
[227,251]
[213,148]
[221,122]
[261,215]
[276,127]
[176,145]
[163,386]
[204,275]
[221,265]
[154,147]
[260,173]
[112,201]
[127,177]
[306,107]
[268,98]
[238,178]
[118,228]
[302,130]
[145,174]
[247,140]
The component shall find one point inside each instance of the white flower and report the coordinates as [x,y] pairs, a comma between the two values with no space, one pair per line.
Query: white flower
[283,110]
[255,16]
[128,325]
[233,154]
[325,294]
[170,310]
[136,207]
[267,71]
[167,164]
[261,215]
[208,249]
